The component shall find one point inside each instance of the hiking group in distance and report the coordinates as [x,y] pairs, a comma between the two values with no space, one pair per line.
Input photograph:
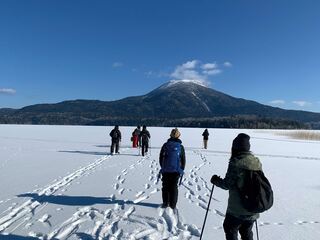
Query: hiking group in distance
[250,192]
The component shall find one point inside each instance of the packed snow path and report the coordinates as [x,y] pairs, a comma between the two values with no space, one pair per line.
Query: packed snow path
[81,192]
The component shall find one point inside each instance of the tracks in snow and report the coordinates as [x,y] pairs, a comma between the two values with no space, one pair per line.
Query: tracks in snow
[23,212]
[114,222]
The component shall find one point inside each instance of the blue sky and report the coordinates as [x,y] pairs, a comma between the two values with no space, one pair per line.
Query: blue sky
[266,50]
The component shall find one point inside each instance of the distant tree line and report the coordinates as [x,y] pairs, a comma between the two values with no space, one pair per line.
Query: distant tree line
[237,121]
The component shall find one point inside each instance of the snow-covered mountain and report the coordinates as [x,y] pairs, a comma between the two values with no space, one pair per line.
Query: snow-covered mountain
[171,101]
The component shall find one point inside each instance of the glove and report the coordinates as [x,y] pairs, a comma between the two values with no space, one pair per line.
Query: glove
[215,179]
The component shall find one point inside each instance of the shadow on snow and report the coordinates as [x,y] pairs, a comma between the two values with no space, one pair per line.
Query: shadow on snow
[16,237]
[82,200]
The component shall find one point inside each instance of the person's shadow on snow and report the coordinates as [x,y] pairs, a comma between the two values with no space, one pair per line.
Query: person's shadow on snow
[85,152]
[16,237]
[95,153]
[82,200]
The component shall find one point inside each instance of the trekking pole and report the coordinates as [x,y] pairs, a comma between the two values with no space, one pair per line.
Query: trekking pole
[205,218]
[150,147]
[257,230]
[180,179]
[158,177]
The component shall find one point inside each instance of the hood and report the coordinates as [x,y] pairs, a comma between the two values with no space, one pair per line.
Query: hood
[247,161]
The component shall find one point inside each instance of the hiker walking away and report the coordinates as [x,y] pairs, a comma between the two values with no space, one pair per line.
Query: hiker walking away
[205,135]
[145,136]
[135,137]
[238,218]
[115,135]
[172,161]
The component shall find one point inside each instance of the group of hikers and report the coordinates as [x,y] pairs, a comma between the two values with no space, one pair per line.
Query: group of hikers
[245,201]
[140,138]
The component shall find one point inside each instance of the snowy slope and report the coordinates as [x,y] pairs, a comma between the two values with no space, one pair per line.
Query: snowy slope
[59,182]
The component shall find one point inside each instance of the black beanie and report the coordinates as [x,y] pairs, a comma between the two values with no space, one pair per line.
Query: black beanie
[241,143]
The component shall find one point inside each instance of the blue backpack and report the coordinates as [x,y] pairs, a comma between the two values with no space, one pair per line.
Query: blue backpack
[171,162]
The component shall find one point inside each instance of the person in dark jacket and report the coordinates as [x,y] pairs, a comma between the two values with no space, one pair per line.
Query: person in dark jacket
[115,135]
[172,160]
[205,135]
[135,137]
[145,136]
[238,219]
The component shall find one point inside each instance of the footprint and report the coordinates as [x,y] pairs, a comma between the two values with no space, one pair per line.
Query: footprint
[155,190]
[28,225]
[45,218]
[189,183]
[116,186]
[129,212]
[140,199]
[139,193]
[107,214]
[202,205]
[280,223]
[219,213]
[121,191]
[147,186]
[201,198]
[188,195]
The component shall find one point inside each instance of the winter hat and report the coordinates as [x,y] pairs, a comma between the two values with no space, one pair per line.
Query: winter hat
[241,143]
[175,133]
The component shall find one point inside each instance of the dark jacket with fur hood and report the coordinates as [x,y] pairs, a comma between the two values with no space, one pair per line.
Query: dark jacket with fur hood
[234,180]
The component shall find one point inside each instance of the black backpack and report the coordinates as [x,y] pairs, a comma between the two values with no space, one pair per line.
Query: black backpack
[115,134]
[144,136]
[256,193]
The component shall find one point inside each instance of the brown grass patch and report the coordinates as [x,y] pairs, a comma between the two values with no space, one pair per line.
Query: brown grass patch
[301,134]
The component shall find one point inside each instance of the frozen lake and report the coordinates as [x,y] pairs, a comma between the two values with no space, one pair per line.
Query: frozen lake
[59,182]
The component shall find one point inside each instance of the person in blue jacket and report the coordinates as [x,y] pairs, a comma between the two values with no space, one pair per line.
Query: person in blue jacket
[172,160]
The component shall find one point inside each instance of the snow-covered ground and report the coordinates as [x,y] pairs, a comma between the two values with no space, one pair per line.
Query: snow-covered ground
[59,182]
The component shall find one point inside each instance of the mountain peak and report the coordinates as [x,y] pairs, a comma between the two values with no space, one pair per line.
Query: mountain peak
[184,81]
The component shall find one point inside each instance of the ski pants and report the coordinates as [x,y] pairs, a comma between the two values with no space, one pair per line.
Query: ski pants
[170,189]
[135,140]
[233,225]
[114,145]
[205,143]
[144,147]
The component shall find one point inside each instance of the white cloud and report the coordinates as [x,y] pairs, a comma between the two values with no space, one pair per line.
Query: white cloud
[188,71]
[212,72]
[190,64]
[301,103]
[278,102]
[196,71]
[7,91]
[227,64]
[117,64]
[209,66]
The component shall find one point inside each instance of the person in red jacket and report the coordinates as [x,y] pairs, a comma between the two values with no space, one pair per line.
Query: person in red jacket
[135,137]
